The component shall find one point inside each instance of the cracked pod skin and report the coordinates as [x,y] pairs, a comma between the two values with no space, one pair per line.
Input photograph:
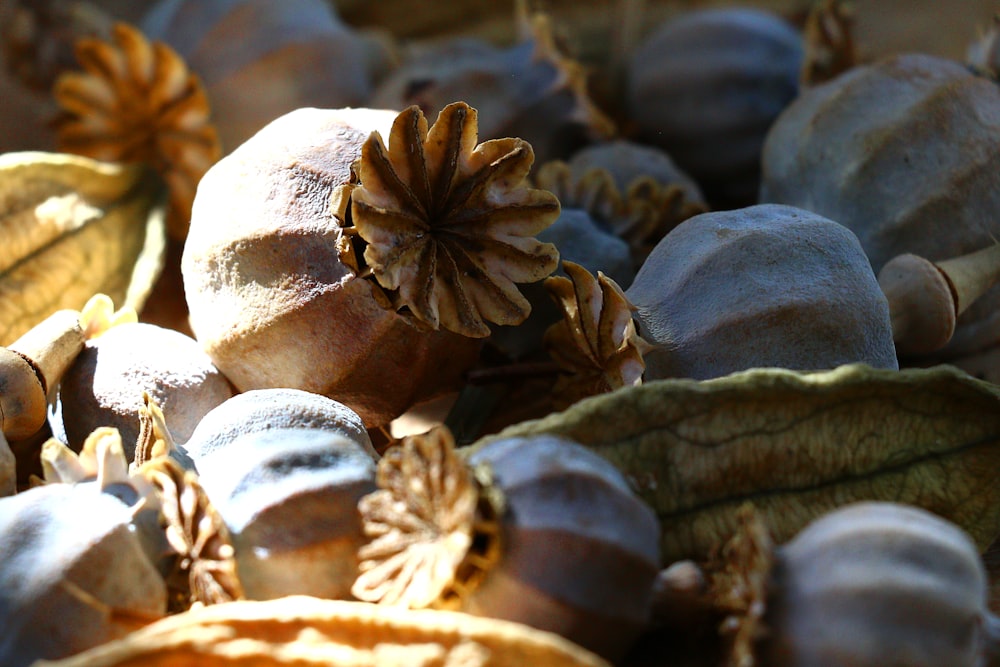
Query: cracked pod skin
[270,298]
[763,286]
[904,153]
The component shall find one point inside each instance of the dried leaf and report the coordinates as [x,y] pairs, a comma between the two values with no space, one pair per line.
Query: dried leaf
[796,445]
[73,227]
[299,630]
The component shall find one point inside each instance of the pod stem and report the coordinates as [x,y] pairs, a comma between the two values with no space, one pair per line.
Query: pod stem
[970,276]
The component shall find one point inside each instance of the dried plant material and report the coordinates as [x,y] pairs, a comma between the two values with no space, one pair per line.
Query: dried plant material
[102,458]
[99,314]
[739,579]
[799,444]
[299,630]
[73,227]
[449,224]
[829,42]
[154,440]
[433,533]
[595,345]
[984,53]
[137,102]
[641,215]
[205,568]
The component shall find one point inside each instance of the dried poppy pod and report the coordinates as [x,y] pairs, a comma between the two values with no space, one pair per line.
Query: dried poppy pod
[867,585]
[706,87]
[530,90]
[260,59]
[105,384]
[378,297]
[289,498]
[901,152]
[33,365]
[635,191]
[766,285]
[539,531]
[265,409]
[73,573]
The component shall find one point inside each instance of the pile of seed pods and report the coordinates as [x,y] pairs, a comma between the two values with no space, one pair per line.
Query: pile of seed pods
[422,327]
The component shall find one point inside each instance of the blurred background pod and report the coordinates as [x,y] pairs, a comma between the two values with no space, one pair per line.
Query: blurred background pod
[706,86]
[260,59]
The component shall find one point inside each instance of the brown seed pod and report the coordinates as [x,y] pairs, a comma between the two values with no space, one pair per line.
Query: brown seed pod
[535,530]
[766,285]
[706,86]
[441,232]
[136,102]
[901,152]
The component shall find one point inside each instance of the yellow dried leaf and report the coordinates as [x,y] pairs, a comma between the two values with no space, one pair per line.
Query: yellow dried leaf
[300,630]
[796,445]
[73,227]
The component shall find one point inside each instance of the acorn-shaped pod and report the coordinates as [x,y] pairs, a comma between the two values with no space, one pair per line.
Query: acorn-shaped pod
[289,499]
[530,90]
[536,530]
[278,408]
[105,384]
[867,585]
[901,152]
[375,293]
[260,59]
[706,87]
[766,285]
[73,573]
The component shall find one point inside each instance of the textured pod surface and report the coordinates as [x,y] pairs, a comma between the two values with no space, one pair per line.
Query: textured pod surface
[105,385]
[706,87]
[580,548]
[72,573]
[73,227]
[905,586]
[797,445]
[304,631]
[903,152]
[762,286]
[265,409]
[289,498]
[260,59]
[271,300]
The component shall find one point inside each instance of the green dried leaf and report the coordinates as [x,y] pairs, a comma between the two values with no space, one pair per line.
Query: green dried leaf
[73,227]
[796,445]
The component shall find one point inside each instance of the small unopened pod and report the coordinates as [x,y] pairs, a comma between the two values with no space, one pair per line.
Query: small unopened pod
[289,498]
[580,548]
[73,573]
[877,584]
[762,286]
[105,384]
